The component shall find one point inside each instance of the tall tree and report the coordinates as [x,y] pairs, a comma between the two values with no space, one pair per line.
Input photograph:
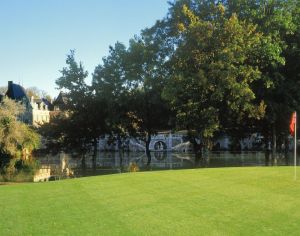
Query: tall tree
[279,19]
[146,74]
[72,81]
[216,63]
[110,89]
[131,82]
[83,126]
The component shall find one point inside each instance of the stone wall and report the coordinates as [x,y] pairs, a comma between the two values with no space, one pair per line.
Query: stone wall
[43,174]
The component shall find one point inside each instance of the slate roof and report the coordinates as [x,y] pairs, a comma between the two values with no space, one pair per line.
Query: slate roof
[15,91]
[18,93]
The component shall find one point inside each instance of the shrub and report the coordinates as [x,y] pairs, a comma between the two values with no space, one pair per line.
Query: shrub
[18,170]
[133,167]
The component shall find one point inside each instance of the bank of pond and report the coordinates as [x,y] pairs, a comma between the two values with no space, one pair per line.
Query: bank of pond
[48,167]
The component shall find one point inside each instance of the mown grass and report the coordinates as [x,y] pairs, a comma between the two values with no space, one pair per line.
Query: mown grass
[221,201]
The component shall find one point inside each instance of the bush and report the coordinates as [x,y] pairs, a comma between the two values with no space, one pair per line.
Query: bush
[18,170]
[133,167]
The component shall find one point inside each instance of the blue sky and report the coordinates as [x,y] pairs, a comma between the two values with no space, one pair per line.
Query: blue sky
[36,35]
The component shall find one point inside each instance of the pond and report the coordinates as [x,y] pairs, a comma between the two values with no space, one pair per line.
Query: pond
[65,165]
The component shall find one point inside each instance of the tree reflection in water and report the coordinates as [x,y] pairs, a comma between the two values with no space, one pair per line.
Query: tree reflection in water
[116,162]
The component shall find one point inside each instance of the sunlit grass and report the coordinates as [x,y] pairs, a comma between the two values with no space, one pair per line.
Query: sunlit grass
[221,201]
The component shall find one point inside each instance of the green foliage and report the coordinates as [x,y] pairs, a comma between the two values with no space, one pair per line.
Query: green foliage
[16,138]
[111,89]
[130,83]
[230,66]
[53,132]
[272,55]
[73,82]
[279,20]
[18,170]
[215,66]
[147,73]
[82,122]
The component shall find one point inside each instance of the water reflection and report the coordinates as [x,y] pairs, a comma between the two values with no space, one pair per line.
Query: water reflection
[66,165]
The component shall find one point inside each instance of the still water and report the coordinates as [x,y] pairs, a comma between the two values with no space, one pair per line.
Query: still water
[65,165]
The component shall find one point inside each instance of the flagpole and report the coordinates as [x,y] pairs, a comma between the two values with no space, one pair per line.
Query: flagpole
[295,148]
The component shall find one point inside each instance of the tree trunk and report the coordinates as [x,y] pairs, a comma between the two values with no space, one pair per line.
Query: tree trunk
[198,148]
[121,161]
[267,149]
[119,143]
[273,140]
[286,146]
[95,145]
[148,154]
[198,151]
[83,164]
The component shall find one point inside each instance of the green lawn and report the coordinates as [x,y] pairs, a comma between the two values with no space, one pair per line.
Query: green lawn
[221,201]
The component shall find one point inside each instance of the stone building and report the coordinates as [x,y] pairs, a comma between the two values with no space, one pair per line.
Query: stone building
[36,110]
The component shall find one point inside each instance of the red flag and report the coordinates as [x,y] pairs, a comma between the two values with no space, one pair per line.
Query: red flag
[292,124]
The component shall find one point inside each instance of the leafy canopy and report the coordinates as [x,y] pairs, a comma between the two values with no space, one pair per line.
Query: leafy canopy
[15,136]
